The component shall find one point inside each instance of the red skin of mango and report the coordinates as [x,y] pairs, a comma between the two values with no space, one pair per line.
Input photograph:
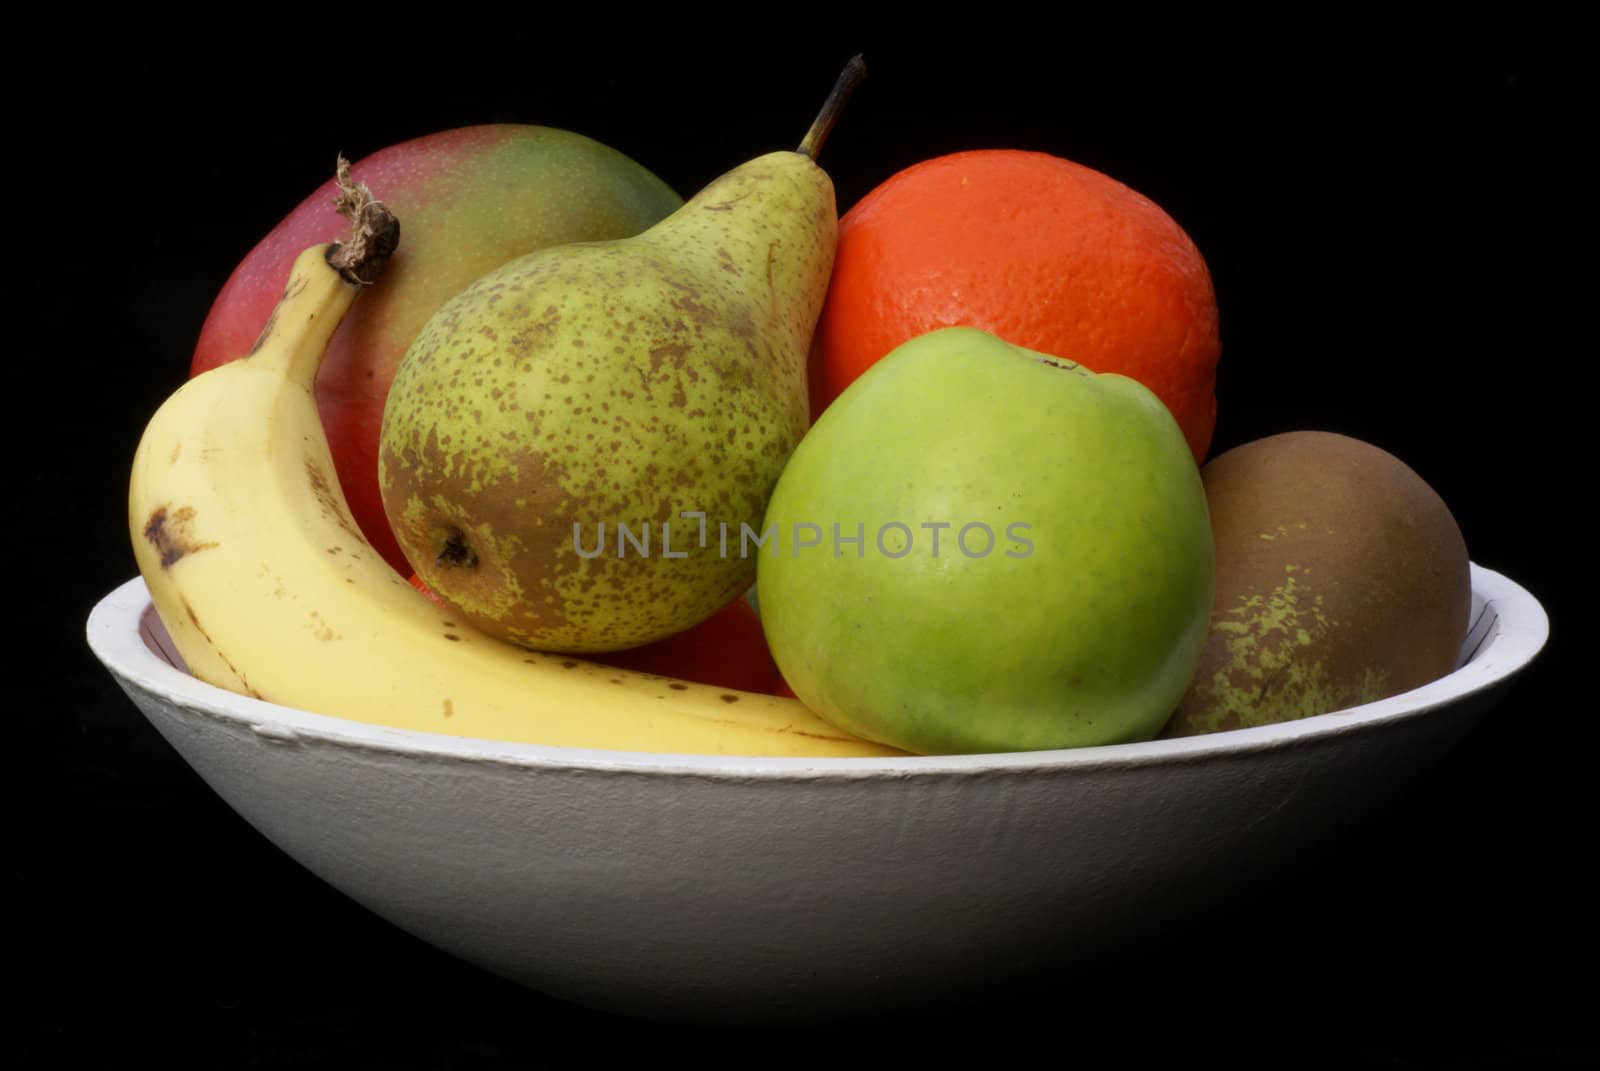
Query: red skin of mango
[468,200]
[727,650]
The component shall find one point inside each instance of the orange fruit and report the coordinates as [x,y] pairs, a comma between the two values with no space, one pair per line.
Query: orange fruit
[1045,253]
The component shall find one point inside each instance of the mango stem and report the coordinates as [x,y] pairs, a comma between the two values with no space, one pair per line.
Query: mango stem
[374,231]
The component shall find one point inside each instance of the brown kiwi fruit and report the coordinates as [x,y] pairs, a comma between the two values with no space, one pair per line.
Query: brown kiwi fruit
[1341,578]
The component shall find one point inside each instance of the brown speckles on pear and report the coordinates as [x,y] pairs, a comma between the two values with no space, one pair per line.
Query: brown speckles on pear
[171,533]
[673,352]
[631,381]
[722,205]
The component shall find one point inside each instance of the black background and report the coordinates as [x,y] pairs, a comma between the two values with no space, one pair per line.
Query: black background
[1386,222]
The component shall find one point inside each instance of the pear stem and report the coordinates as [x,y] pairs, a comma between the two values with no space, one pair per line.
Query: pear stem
[849,79]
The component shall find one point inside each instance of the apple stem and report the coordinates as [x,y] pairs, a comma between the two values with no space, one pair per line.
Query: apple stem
[849,79]
[374,231]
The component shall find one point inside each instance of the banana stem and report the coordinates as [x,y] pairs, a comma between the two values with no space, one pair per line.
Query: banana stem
[849,79]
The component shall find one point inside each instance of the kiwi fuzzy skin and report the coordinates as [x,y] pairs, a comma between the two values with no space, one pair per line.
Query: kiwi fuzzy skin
[1341,578]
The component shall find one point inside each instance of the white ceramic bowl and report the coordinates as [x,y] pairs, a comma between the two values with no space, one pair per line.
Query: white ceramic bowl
[741,889]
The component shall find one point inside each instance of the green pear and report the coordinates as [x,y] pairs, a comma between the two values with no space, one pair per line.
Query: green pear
[569,441]
[980,548]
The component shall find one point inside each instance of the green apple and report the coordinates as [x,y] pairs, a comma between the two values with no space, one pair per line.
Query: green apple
[980,548]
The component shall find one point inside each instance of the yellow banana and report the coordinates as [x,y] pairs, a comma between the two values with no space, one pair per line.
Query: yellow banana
[268,588]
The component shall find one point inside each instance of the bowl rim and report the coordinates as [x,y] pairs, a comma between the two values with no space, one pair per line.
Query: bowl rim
[114,632]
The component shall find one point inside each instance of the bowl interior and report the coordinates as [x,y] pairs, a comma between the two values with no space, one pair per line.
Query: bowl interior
[729,889]
[1507,629]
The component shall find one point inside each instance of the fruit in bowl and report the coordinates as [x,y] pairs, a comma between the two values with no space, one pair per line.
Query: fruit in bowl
[597,389]
[727,650]
[1342,578]
[493,549]
[983,548]
[269,589]
[471,199]
[542,839]
[1044,252]
[827,889]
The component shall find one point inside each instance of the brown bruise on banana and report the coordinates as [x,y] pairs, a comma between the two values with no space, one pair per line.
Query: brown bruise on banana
[330,500]
[321,629]
[526,405]
[596,670]
[291,289]
[239,683]
[171,533]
